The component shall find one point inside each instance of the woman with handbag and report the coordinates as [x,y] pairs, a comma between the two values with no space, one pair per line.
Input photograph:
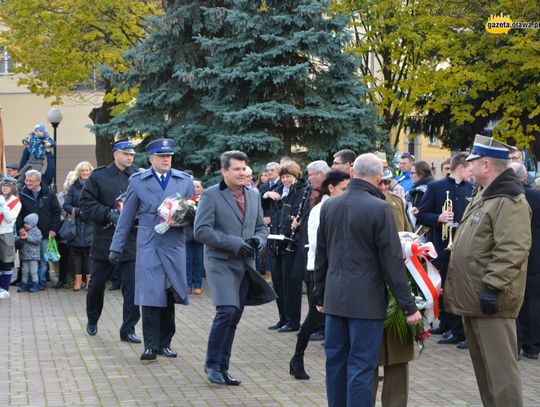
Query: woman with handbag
[10,206]
[79,245]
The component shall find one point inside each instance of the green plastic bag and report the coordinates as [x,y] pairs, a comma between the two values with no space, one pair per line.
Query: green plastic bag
[51,253]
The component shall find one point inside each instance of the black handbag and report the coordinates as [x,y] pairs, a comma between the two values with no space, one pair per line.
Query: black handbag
[68,230]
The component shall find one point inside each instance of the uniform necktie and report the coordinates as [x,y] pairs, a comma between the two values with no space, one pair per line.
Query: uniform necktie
[162,178]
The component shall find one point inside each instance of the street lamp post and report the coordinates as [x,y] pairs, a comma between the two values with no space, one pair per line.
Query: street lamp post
[54,116]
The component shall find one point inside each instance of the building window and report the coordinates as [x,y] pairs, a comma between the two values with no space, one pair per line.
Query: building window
[6,64]
[433,140]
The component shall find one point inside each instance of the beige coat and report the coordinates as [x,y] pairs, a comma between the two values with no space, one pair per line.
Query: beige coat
[491,247]
[393,351]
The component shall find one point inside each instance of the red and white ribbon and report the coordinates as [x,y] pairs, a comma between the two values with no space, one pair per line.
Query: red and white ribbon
[429,281]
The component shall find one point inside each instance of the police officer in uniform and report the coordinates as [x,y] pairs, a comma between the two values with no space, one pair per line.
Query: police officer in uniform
[160,273]
[97,203]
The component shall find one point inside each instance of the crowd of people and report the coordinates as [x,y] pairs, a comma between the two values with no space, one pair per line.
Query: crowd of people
[334,231]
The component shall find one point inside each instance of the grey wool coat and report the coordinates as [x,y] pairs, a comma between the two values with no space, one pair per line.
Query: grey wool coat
[160,259]
[219,225]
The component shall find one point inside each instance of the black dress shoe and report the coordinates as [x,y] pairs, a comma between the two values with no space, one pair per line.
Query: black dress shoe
[114,287]
[131,338]
[451,340]
[15,282]
[214,376]
[229,380]
[288,328]
[277,326]
[91,329]
[530,355]
[59,284]
[149,354]
[316,336]
[463,344]
[439,330]
[447,334]
[167,352]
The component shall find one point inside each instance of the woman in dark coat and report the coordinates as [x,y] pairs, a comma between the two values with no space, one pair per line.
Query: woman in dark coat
[286,201]
[79,247]
[421,176]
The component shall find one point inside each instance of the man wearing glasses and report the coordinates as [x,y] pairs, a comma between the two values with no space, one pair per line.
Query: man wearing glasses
[343,160]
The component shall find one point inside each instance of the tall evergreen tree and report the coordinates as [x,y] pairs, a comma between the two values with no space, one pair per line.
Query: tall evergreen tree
[280,83]
[168,102]
[266,77]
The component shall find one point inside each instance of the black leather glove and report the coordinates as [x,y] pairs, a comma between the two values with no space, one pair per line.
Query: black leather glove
[246,251]
[488,300]
[113,216]
[255,243]
[114,257]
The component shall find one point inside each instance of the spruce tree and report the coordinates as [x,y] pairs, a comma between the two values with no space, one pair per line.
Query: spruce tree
[281,83]
[269,78]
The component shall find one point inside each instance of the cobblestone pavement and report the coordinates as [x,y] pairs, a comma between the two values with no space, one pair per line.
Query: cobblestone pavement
[47,359]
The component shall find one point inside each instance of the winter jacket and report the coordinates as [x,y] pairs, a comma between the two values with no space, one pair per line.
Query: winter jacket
[9,214]
[83,228]
[358,253]
[45,205]
[491,247]
[31,246]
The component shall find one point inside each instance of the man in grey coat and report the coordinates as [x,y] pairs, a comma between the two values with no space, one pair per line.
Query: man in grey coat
[160,265]
[229,222]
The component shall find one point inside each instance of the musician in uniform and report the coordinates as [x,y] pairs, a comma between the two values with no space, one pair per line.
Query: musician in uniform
[458,190]
[285,204]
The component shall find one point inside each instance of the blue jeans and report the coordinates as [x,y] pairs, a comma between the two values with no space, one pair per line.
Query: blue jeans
[352,353]
[194,264]
[43,265]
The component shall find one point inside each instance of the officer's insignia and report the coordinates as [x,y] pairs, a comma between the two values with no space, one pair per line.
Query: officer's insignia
[476,218]
[165,143]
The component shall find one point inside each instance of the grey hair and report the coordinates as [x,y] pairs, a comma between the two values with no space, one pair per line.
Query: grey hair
[368,166]
[272,164]
[33,173]
[227,156]
[318,166]
[249,171]
[500,164]
[520,170]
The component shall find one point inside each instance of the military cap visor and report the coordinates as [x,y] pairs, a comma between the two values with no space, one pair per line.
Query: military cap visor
[162,146]
[124,146]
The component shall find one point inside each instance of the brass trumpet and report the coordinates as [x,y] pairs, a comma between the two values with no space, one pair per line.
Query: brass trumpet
[447,227]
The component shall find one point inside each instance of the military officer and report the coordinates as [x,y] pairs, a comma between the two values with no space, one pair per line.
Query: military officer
[160,272]
[487,271]
[97,203]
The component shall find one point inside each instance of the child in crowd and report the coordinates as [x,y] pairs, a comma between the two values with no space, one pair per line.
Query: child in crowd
[37,144]
[30,254]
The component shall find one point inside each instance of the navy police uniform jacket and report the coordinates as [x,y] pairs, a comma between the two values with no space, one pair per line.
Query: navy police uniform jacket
[161,259]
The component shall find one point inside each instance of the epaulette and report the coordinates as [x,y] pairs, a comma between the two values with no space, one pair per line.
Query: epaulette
[99,168]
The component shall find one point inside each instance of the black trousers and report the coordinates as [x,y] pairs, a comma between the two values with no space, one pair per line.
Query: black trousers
[101,272]
[221,338]
[63,265]
[288,289]
[450,322]
[80,261]
[312,323]
[158,324]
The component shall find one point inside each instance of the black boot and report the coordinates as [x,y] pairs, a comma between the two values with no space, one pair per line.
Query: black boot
[296,368]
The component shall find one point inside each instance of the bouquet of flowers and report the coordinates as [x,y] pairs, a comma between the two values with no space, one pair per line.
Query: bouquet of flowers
[176,210]
[425,283]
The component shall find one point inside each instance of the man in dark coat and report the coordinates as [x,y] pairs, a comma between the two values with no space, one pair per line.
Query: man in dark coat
[357,255]
[529,315]
[430,214]
[37,197]
[229,222]
[97,204]
[160,274]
